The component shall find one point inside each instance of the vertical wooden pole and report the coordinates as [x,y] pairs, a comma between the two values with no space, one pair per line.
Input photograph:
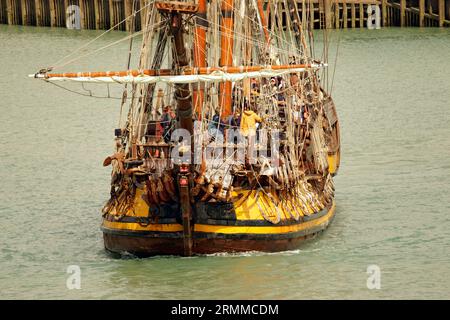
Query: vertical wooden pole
[37,7]
[82,14]
[55,6]
[388,14]
[24,11]
[111,14]
[344,14]
[87,15]
[99,12]
[13,12]
[421,12]
[226,53]
[361,15]
[304,17]
[311,15]
[441,13]
[327,9]
[52,13]
[383,13]
[64,6]
[128,12]
[143,14]
[9,11]
[353,15]
[336,14]
[116,14]
[200,53]
[402,12]
[96,15]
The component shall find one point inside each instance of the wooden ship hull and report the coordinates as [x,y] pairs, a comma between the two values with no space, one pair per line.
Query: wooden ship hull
[258,222]
[218,228]
[134,236]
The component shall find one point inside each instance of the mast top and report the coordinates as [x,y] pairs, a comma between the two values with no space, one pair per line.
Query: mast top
[176,6]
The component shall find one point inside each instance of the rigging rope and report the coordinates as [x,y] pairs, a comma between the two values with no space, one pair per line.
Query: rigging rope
[56,65]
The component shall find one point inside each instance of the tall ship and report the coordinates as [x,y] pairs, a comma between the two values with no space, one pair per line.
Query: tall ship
[228,140]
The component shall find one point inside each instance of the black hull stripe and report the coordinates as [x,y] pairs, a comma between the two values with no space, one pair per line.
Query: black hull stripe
[216,222]
[203,235]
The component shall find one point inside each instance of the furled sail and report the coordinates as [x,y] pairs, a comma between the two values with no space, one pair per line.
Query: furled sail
[201,75]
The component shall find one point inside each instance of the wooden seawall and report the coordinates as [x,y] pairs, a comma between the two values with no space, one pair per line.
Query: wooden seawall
[105,14]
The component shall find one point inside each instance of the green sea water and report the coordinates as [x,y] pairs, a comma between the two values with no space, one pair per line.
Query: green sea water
[392,91]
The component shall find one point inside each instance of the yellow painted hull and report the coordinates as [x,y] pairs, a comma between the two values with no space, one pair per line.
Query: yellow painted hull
[247,229]
[260,220]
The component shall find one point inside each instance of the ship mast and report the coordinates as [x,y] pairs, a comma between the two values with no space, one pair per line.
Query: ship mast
[263,20]
[182,96]
[226,54]
[184,112]
[182,91]
[200,54]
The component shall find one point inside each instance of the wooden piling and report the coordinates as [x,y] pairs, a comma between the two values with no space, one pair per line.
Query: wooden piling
[111,14]
[23,10]
[66,5]
[38,12]
[361,15]
[441,12]
[95,15]
[82,4]
[128,11]
[344,14]
[9,12]
[114,14]
[402,12]
[421,13]
[143,14]
[327,8]
[99,14]
[353,11]
[311,15]
[57,6]
[336,14]
[52,13]
[383,13]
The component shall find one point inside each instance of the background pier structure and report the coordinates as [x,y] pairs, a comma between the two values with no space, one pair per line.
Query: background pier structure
[105,14]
